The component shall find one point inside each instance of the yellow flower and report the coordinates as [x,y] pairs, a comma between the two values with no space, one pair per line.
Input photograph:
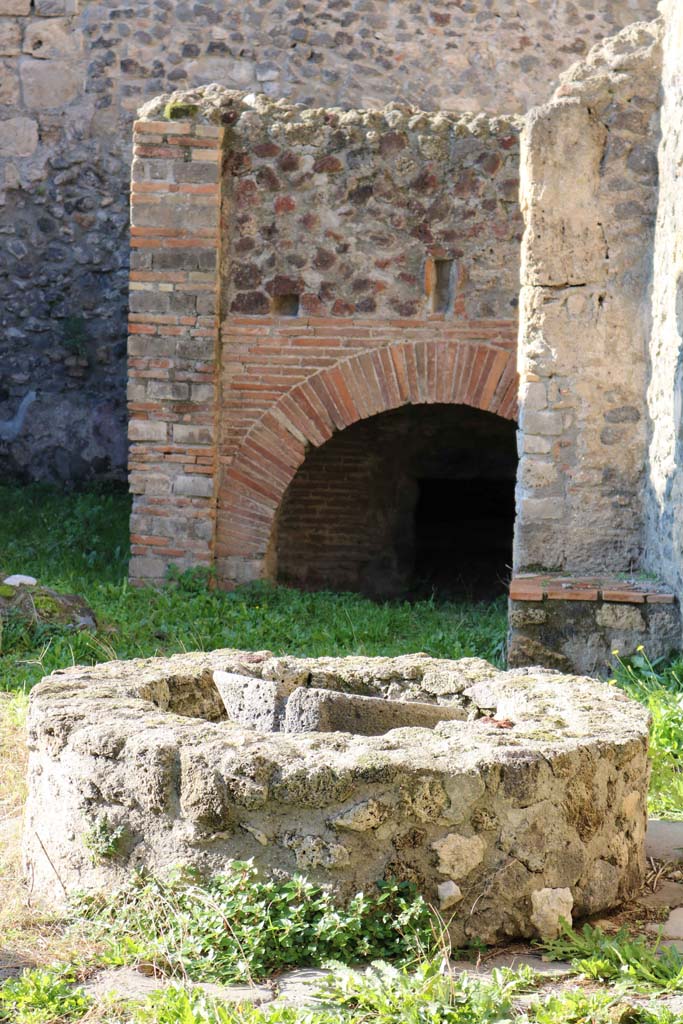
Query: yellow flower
[640,647]
[615,652]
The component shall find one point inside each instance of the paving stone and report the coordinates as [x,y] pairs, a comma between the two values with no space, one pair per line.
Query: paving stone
[664,840]
[673,926]
[123,983]
[668,894]
[297,988]
[555,969]
[257,995]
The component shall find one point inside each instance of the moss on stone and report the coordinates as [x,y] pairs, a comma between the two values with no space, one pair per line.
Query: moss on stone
[175,111]
[47,606]
[6,590]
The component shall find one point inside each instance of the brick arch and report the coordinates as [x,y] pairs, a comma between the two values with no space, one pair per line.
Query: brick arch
[366,384]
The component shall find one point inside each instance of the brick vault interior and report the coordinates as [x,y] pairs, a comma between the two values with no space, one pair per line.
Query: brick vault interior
[415,501]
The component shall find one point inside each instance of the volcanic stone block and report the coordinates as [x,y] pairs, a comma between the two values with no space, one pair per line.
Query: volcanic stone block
[311,710]
[256,703]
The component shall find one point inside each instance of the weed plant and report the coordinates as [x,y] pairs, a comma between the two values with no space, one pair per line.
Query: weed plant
[78,543]
[43,997]
[240,927]
[633,963]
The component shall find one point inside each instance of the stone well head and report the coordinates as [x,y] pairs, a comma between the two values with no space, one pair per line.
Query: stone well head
[509,798]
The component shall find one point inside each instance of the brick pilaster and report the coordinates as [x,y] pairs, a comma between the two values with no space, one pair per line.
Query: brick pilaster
[172,344]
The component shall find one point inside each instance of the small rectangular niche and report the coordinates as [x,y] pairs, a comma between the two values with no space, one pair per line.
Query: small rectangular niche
[442,288]
[285,305]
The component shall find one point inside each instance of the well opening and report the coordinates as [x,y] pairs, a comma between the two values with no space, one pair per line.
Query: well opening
[404,503]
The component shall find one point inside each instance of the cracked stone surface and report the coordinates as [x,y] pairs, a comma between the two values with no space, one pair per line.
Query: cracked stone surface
[541,789]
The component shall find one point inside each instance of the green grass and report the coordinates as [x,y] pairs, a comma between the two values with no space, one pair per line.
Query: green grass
[659,686]
[78,543]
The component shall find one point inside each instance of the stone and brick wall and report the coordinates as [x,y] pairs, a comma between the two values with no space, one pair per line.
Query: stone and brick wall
[560,621]
[350,213]
[347,214]
[72,74]
[600,340]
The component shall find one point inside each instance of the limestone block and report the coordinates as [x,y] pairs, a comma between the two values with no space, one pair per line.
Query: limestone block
[362,817]
[10,38]
[51,39]
[313,852]
[549,907]
[536,472]
[459,855]
[49,85]
[547,422]
[195,485]
[534,444]
[313,710]
[256,703]
[564,242]
[147,430]
[15,7]
[9,84]
[54,8]
[539,509]
[533,395]
[620,616]
[449,894]
[18,136]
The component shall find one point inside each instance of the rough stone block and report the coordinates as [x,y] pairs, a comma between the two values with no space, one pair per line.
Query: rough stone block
[255,703]
[535,509]
[54,8]
[18,136]
[314,710]
[49,85]
[51,39]
[10,37]
[188,433]
[147,430]
[9,84]
[547,423]
[193,485]
[15,7]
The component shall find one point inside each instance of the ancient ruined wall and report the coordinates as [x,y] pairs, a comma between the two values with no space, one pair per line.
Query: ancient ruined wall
[351,215]
[589,194]
[346,215]
[665,392]
[72,73]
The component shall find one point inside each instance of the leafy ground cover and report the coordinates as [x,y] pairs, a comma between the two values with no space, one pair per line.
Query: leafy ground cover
[428,993]
[239,927]
[79,543]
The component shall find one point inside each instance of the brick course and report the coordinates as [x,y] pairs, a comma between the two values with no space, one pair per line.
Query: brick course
[172,347]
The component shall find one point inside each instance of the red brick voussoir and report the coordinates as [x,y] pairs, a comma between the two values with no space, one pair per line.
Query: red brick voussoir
[377,380]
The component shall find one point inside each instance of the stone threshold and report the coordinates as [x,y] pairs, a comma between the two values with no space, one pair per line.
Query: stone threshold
[560,587]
